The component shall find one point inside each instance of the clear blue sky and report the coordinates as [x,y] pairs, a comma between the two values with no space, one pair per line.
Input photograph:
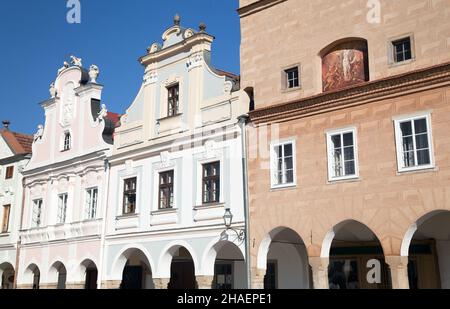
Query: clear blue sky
[36,39]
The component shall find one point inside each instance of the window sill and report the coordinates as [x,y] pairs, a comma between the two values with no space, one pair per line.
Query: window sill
[399,64]
[170,117]
[127,216]
[288,90]
[283,187]
[4,234]
[425,169]
[209,206]
[164,211]
[344,179]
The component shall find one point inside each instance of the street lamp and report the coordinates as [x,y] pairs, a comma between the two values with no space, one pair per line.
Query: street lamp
[228,220]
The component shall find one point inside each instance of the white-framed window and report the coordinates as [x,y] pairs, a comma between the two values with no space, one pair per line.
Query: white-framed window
[62,208]
[67,141]
[413,136]
[282,157]
[36,219]
[91,203]
[342,154]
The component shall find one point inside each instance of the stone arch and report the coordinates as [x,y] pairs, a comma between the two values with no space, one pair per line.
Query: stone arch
[211,252]
[32,275]
[7,274]
[58,274]
[122,258]
[165,260]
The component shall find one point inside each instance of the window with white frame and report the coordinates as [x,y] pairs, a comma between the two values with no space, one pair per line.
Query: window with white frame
[283,164]
[414,146]
[342,154]
[91,203]
[67,141]
[62,208]
[37,213]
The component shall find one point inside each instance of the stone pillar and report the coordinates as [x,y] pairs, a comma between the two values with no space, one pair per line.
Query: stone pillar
[205,282]
[319,272]
[257,281]
[111,284]
[161,283]
[75,285]
[399,271]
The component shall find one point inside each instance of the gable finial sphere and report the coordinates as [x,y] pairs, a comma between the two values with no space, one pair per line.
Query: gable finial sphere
[202,27]
[177,20]
[6,124]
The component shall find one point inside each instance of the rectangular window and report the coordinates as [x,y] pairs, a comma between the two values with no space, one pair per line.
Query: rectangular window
[166,190]
[342,156]
[292,78]
[283,164]
[62,208]
[5,221]
[173,100]
[129,196]
[67,141]
[413,137]
[9,172]
[211,183]
[91,203]
[37,213]
[402,50]
[223,278]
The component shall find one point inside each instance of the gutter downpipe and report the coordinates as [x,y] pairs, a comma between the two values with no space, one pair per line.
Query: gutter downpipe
[243,120]
[105,214]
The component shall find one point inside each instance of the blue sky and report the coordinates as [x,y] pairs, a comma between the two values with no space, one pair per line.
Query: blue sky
[36,39]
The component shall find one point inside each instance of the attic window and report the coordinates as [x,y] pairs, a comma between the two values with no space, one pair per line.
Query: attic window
[67,141]
[173,100]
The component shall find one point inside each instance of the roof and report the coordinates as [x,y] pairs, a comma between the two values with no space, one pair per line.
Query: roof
[227,74]
[20,144]
[114,117]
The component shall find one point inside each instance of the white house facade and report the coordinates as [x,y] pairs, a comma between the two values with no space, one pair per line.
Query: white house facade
[65,185]
[15,152]
[175,170]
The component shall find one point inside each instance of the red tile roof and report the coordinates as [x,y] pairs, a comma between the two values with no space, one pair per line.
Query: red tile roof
[114,117]
[20,144]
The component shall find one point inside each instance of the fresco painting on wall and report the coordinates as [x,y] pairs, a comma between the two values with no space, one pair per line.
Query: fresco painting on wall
[344,66]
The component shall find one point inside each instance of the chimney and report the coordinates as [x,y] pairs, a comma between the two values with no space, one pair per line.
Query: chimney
[6,124]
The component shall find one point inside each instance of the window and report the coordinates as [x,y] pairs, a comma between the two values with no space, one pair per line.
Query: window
[129,196]
[292,78]
[67,141]
[283,164]
[270,279]
[5,222]
[223,276]
[166,190]
[342,156]
[91,203]
[37,212]
[402,50]
[173,100]
[62,208]
[9,172]
[211,183]
[414,147]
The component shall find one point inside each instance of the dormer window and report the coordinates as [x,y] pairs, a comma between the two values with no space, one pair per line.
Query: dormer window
[67,141]
[173,100]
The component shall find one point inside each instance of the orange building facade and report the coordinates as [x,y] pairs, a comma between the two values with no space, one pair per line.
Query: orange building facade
[349,151]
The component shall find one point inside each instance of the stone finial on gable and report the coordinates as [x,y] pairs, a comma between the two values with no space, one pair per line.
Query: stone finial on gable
[177,20]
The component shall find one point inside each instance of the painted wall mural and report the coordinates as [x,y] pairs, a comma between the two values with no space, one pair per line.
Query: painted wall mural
[345,65]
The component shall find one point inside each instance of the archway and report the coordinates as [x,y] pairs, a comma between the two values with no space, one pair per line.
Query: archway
[137,270]
[283,254]
[356,258]
[226,260]
[58,274]
[32,276]
[428,246]
[182,270]
[7,276]
[90,272]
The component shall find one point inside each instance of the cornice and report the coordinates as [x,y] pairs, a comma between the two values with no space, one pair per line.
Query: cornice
[257,6]
[360,94]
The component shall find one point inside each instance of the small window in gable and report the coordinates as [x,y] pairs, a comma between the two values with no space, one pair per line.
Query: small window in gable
[67,141]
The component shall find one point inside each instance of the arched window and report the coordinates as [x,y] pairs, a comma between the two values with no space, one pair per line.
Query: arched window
[344,64]
[67,141]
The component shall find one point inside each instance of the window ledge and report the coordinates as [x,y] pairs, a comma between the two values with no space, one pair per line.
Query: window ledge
[4,234]
[209,206]
[287,90]
[126,216]
[399,64]
[164,211]
[344,179]
[417,170]
[283,187]
[170,117]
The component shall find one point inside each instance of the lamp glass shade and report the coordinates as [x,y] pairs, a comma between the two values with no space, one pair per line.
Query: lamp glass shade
[228,218]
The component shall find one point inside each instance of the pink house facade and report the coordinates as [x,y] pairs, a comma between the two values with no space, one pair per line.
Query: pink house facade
[65,185]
